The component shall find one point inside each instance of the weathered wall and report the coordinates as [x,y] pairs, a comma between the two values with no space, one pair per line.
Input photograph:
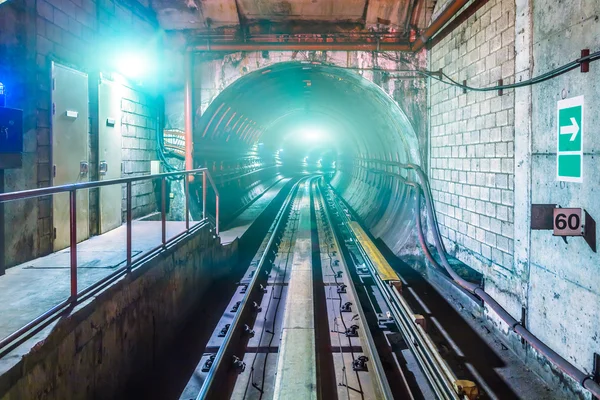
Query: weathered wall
[75,34]
[564,279]
[17,19]
[101,345]
[139,124]
[493,156]
[472,146]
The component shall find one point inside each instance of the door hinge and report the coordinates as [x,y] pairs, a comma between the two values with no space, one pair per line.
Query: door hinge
[53,108]
[53,83]
[54,234]
[54,171]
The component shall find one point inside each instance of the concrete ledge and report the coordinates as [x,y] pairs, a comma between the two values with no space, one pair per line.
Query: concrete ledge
[100,345]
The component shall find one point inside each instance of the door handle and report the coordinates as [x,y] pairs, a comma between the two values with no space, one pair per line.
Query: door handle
[103,168]
[83,168]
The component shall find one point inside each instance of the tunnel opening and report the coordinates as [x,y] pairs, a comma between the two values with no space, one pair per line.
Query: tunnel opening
[307,117]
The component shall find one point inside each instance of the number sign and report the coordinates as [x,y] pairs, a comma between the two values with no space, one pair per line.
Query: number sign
[567,222]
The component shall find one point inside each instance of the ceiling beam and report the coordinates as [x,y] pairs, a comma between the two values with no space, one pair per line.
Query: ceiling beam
[301,46]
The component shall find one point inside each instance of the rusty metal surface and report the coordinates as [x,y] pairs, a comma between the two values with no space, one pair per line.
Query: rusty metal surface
[236,17]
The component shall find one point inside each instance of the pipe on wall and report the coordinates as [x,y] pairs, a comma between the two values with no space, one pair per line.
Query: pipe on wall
[561,363]
[451,10]
[301,46]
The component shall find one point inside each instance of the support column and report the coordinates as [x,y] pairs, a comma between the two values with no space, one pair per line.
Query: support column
[523,131]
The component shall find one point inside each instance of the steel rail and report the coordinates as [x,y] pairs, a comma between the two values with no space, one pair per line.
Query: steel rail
[365,333]
[424,189]
[439,376]
[585,380]
[222,363]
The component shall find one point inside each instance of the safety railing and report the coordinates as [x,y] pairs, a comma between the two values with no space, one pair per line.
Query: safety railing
[72,189]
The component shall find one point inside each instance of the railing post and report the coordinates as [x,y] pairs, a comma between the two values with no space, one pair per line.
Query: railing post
[217,215]
[129,227]
[73,239]
[187,201]
[204,194]
[163,211]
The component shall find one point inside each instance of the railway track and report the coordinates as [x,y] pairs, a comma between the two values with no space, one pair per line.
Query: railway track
[320,314]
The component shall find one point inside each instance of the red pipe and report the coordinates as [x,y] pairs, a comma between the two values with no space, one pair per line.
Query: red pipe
[301,46]
[452,9]
[187,111]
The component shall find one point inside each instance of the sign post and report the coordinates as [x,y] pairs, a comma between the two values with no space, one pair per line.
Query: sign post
[569,155]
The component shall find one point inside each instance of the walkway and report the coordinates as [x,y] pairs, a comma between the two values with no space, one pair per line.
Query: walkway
[32,288]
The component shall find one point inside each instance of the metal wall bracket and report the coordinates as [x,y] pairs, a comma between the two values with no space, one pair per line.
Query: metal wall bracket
[542,216]
[589,231]
[585,65]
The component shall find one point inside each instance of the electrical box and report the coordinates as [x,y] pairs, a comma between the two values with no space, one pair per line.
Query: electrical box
[11,138]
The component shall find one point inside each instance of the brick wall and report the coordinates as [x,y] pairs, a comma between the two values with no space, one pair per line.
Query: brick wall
[17,32]
[138,120]
[472,140]
[73,33]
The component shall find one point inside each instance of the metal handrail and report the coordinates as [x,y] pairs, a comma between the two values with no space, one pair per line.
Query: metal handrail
[72,190]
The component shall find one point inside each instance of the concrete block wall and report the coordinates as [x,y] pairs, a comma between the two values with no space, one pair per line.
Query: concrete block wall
[138,127]
[492,157]
[73,33]
[115,336]
[472,141]
[17,33]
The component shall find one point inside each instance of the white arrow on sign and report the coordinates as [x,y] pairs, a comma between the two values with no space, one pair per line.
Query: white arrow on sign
[572,129]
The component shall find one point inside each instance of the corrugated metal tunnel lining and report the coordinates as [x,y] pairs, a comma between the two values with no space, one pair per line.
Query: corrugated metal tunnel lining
[358,122]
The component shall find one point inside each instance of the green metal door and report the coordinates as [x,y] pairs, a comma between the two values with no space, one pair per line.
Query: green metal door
[109,153]
[70,122]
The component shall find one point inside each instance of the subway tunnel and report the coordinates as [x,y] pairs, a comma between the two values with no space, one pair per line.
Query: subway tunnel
[309,114]
[374,199]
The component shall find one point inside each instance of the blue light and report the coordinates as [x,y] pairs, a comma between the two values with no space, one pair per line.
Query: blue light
[2,95]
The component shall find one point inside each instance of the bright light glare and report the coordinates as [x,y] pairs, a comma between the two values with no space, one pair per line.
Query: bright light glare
[132,65]
[311,134]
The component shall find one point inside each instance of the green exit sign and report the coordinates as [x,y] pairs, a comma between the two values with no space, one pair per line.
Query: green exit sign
[569,156]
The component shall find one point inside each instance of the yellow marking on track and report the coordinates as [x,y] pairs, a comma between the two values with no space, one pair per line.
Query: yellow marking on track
[384,269]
